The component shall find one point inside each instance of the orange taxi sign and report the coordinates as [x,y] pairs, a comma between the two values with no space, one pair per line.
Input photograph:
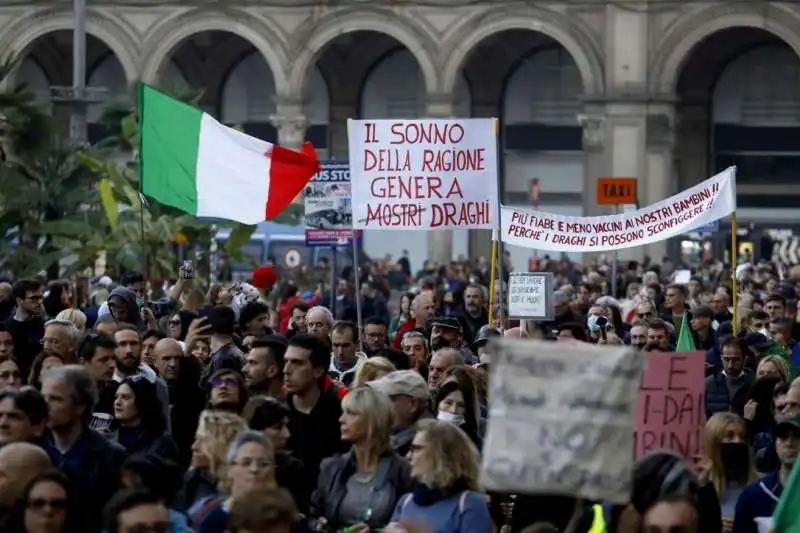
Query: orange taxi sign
[616,191]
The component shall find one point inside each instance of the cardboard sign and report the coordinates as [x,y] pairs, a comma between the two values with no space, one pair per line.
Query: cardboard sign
[670,410]
[561,419]
[710,200]
[423,174]
[616,191]
[530,295]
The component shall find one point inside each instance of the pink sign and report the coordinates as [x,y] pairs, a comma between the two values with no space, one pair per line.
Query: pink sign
[670,410]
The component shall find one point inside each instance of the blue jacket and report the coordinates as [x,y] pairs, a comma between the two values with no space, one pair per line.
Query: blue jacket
[758,499]
[465,512]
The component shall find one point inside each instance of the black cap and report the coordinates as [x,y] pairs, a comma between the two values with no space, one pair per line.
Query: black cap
[788,292]
[446,322]
[759,341]
[485,333]
[787,422]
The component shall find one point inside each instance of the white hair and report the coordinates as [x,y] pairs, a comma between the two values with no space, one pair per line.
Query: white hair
[73,334]
[325,312]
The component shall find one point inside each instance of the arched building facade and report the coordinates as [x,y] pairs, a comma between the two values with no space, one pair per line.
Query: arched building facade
[668,95]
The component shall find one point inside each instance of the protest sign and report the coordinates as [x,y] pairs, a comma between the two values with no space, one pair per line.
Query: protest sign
[711,200]
[561,419]
[670,408]
[530,295]
[328,210]
[423,174]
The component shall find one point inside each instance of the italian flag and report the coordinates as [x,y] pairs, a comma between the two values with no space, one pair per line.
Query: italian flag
[190,161]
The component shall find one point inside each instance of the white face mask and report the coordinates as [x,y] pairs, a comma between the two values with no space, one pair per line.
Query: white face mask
[445,416]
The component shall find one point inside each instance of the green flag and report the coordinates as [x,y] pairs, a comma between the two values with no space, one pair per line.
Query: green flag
[787,518]
[685,339]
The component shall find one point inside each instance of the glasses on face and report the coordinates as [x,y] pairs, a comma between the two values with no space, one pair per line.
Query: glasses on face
[644,315]
[228,383]
[37,504]
[174,322]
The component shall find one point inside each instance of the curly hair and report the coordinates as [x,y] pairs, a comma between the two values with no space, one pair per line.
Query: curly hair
[215,431]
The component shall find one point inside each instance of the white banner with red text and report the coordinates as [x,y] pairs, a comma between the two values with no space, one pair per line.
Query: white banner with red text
[706,202]
[423,174]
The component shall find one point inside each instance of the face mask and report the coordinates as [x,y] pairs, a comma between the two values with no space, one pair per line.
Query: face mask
[591,322]
[735,456]
[140,302]
[445,416]
[765,332]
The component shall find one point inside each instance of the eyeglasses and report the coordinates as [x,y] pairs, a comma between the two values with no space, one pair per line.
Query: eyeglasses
[644,315]
[40,503]
[174,322]
[228,383]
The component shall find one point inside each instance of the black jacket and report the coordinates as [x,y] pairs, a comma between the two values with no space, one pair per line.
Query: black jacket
[717,397]
[394,475]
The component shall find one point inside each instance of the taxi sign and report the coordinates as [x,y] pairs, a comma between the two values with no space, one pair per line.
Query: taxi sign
[616,191]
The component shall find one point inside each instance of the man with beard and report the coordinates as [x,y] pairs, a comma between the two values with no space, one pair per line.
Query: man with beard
[638,334]
[129,364]
[263,369]
[446,333]
[475,314]
[27,324]
[374,336]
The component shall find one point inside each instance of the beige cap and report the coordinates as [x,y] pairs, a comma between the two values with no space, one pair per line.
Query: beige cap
[402,383]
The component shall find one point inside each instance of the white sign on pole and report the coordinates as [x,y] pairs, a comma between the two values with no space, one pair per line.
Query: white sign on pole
[710,200]
[561,419]
[423,174]
[530,295]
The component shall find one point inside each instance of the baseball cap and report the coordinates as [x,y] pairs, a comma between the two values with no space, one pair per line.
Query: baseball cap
[560,297]
[402,383]
[446,322]
[485,333]
[703,311]
[759,341]
[791,422]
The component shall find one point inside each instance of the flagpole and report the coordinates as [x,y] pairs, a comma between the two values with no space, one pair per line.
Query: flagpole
[497,244]
[356,278]
[143,246]
[734,280]
[492,274]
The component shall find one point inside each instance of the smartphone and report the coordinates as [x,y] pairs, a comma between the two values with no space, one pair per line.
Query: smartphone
[188,270]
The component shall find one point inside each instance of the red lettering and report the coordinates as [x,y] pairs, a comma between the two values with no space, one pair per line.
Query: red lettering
[427,132]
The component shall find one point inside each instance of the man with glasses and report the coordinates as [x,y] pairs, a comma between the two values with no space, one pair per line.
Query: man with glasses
[27,324]
[374,336]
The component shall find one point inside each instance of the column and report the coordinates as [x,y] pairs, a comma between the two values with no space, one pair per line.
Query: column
[291,122]
[440,242]
[593,126]
[341,111]
[691,143]
[661,181]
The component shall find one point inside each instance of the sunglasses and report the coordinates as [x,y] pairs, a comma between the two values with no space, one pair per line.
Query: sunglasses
[228,383]
[41,503]
[174,322]
[644,315]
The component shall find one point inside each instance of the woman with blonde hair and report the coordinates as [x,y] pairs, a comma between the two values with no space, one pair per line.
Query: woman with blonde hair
[360,489]
[446,495]
[728,463]
[372,369]
[775,366]
[76,316]
[249,465]
[215,431]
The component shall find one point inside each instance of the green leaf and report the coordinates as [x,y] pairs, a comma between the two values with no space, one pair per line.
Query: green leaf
[239,236]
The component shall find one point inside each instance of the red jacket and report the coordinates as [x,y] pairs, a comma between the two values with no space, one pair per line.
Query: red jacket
[285,313]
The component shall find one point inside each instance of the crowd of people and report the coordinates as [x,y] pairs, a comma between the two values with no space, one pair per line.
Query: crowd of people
[252,408]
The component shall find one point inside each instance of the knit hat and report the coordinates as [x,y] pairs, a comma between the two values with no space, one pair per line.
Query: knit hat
[264,277]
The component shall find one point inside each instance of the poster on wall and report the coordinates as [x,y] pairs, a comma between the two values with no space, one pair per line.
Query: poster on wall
[328,208]
[423,174]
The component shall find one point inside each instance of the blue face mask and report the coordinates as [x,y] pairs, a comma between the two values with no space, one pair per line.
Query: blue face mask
[140,302]
[591,323]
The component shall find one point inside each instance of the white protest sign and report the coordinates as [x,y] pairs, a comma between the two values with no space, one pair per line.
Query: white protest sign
[711,200]
[423,174]
[530,295]
[561,419]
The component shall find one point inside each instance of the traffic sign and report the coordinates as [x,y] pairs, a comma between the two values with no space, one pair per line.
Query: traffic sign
[616,191]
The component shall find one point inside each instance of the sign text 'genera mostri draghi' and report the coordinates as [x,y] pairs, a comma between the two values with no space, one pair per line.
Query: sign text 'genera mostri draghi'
[423,174]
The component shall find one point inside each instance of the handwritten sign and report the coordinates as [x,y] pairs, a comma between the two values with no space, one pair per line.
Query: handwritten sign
[670,410]
[530,295]
[423,174]
[710,200]
[561,421]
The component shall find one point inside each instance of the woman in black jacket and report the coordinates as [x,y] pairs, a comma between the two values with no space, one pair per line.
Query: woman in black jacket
[363,486]
[139,424]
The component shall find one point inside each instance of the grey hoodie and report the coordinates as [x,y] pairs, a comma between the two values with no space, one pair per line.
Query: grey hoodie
[129,297]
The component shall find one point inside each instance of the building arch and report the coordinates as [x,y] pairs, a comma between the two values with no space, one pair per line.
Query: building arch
[690,30]
[384,21]
[172,32]
[112,31]
[574,38]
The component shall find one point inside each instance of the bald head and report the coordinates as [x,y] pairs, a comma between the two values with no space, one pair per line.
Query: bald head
[6,291]
[20,462]
[168,354]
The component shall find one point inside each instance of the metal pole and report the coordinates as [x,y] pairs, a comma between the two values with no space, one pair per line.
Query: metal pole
[356,278]
[333,279]
[78,128]
[614,266]
[500,270]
